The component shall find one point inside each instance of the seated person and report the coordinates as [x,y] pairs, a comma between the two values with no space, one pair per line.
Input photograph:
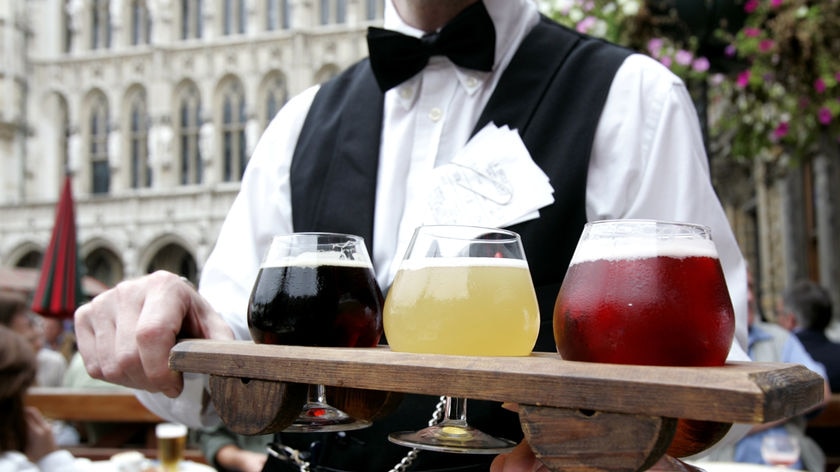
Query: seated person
[811,308]
[770,342]
[229,451]
[27,442]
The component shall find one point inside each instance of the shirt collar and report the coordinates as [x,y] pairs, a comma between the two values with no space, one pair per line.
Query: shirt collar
[510,17]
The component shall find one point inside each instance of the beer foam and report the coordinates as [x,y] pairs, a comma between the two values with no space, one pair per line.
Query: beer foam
[170,430]
[628,248]
[315,259]
[427,262]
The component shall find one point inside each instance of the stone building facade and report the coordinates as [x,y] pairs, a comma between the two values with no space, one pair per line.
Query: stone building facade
[153,107]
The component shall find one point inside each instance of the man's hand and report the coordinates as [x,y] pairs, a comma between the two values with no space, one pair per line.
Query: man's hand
[125,334]
[521,459]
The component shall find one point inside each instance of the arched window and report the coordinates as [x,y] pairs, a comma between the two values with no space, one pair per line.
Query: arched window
[276,95]
[234,18]
[278,15]
[233,131]
[333,12]
[141,23]
[192,22]
[98,145]
[101,25]
[141,171]
[189,127]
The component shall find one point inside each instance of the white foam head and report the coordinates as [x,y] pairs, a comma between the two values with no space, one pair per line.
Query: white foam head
[315,259]
[426,262]
[170,430]
[630,247]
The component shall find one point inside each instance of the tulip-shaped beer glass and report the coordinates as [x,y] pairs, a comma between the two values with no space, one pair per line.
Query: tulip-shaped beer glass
[648,293]
[461,290]
[317,289]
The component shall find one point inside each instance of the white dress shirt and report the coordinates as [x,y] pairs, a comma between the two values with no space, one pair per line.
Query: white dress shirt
[648,161]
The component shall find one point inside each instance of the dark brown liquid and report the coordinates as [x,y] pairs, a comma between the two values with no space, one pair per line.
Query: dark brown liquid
[328,305]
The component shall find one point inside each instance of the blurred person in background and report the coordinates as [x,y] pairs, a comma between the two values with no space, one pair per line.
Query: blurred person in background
[27,443]
[810,306]
[772,342]
[231,452]
[16,315]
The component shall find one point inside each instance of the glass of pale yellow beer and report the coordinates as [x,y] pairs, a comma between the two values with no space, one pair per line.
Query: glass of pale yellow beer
[171,443]
[461,290]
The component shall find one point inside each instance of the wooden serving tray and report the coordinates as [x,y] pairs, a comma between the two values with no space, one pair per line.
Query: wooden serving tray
[575,415]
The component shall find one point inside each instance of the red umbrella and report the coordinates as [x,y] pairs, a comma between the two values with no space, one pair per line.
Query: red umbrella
[59,289]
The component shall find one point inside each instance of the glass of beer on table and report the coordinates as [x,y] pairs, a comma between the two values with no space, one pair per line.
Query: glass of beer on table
[647,292]
[317,289]
[171,444]
[461,290]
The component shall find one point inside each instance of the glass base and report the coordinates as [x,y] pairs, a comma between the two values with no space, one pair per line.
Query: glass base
[320,417]
[455,438]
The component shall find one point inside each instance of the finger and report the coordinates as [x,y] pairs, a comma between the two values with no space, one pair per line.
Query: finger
[35,420]
[116,347]
[95,333]
[498,464]
[159,324]
[520,459]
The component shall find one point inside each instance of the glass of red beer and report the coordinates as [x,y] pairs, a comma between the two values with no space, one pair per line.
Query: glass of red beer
[648,293]
[317,289]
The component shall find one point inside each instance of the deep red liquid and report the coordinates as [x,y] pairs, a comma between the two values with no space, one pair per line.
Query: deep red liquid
[336,306]
[652,311]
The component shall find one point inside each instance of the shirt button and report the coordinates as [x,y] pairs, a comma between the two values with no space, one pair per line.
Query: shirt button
[435,114]
[405,92]
[472,82]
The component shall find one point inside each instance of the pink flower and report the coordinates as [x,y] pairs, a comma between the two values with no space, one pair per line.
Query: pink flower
[782,130]
[776,3]
[586,24]
[683,57]
[666,60]
[819,85]
[655,46]
[744,78]
[752,32]
[765,45]
[824,116]
[730,50]
[750,6]
[701,64]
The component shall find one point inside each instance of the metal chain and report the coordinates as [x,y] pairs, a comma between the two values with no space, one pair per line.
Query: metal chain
[409,458]
[289,454]
[295,456]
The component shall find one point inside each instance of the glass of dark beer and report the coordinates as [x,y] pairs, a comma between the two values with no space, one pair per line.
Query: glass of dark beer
[317,289]
[647,292]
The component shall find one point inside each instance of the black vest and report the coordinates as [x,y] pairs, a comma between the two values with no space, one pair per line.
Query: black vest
[552,92]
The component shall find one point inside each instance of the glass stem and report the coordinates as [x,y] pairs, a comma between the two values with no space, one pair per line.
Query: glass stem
[317,394]
[456,411]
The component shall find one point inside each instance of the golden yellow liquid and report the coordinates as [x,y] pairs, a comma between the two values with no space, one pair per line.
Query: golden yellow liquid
[171,441]
[488,308]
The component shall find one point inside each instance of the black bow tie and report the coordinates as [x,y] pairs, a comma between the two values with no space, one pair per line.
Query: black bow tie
[469,40]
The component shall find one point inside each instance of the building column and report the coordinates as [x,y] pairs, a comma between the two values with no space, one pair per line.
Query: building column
[826,178]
